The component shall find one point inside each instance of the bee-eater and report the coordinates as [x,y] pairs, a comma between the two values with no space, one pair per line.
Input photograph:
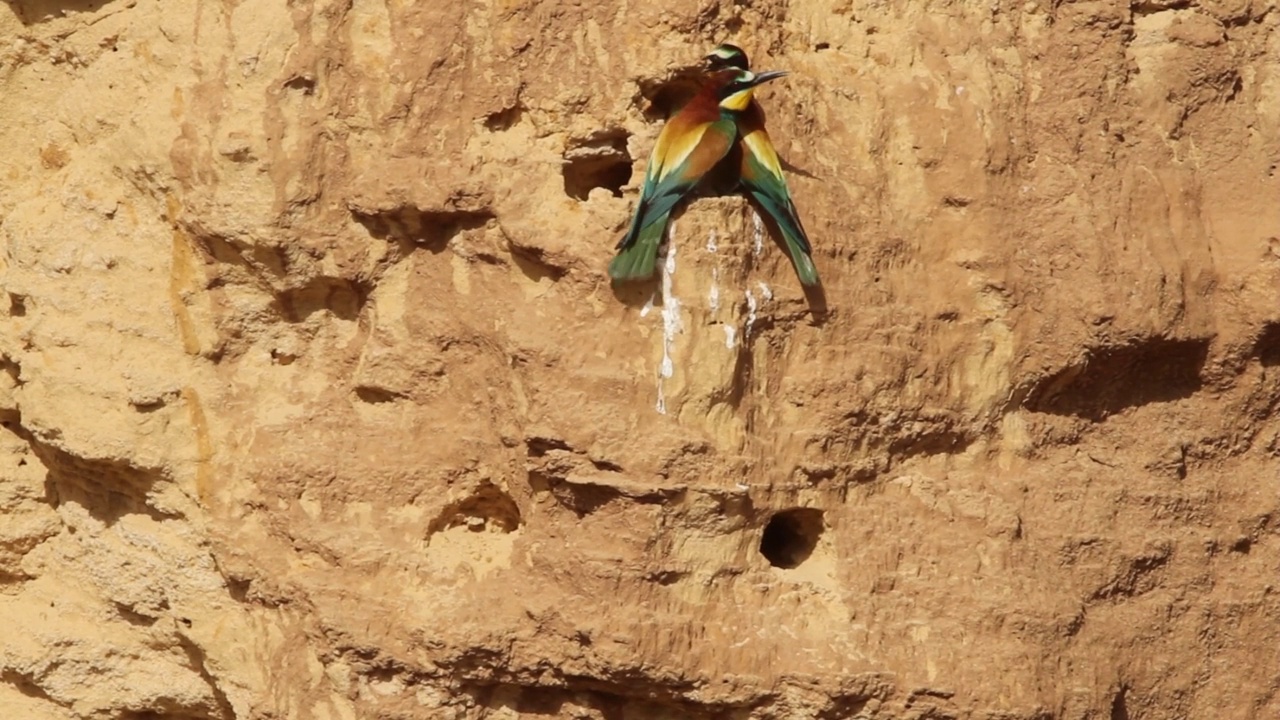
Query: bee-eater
[689,147]
[761,172]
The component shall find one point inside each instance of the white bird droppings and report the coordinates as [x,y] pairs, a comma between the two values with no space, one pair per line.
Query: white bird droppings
[671,325]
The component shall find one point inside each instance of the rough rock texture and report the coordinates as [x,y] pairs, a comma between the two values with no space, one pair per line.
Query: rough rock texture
[318,404]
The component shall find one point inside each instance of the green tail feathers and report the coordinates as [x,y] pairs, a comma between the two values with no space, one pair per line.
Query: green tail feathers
[798,249]
[804,263]
[638,260]
[783,214]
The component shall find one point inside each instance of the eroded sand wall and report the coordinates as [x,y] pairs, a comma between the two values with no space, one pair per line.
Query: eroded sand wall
[317,402]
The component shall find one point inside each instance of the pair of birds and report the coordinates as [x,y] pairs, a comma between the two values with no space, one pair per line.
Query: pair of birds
[720,129]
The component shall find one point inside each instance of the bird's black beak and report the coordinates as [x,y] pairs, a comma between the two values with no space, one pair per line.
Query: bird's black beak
[765,77]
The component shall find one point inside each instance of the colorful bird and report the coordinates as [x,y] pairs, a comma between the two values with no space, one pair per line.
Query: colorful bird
[689,147]
[761,171]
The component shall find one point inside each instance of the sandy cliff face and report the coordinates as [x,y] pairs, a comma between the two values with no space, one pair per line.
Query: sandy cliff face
[318,404]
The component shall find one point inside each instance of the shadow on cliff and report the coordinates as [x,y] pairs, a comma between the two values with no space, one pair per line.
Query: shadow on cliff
[639,293]
[416,227]
[1111,379]
[107,489]
[34,12]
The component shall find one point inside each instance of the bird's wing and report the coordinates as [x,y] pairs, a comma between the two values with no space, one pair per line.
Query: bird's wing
[680,158]
[677,142]
[689,158]
[762,174]
[761,148]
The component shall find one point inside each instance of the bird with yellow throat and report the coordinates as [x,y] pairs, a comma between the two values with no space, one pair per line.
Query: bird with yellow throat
[761,170]
[722,123]
[696,139]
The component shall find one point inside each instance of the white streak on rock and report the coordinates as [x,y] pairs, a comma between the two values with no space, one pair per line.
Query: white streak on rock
[752,306]
[713,295]
[711,242]
[671,325]
[765,293]
[730,336]
[757,232]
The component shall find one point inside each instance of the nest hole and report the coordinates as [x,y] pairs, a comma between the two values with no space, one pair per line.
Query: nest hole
[582,175]
[791,536]
[599,161]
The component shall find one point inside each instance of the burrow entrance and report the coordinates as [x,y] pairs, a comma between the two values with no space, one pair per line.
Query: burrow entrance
[791,536]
